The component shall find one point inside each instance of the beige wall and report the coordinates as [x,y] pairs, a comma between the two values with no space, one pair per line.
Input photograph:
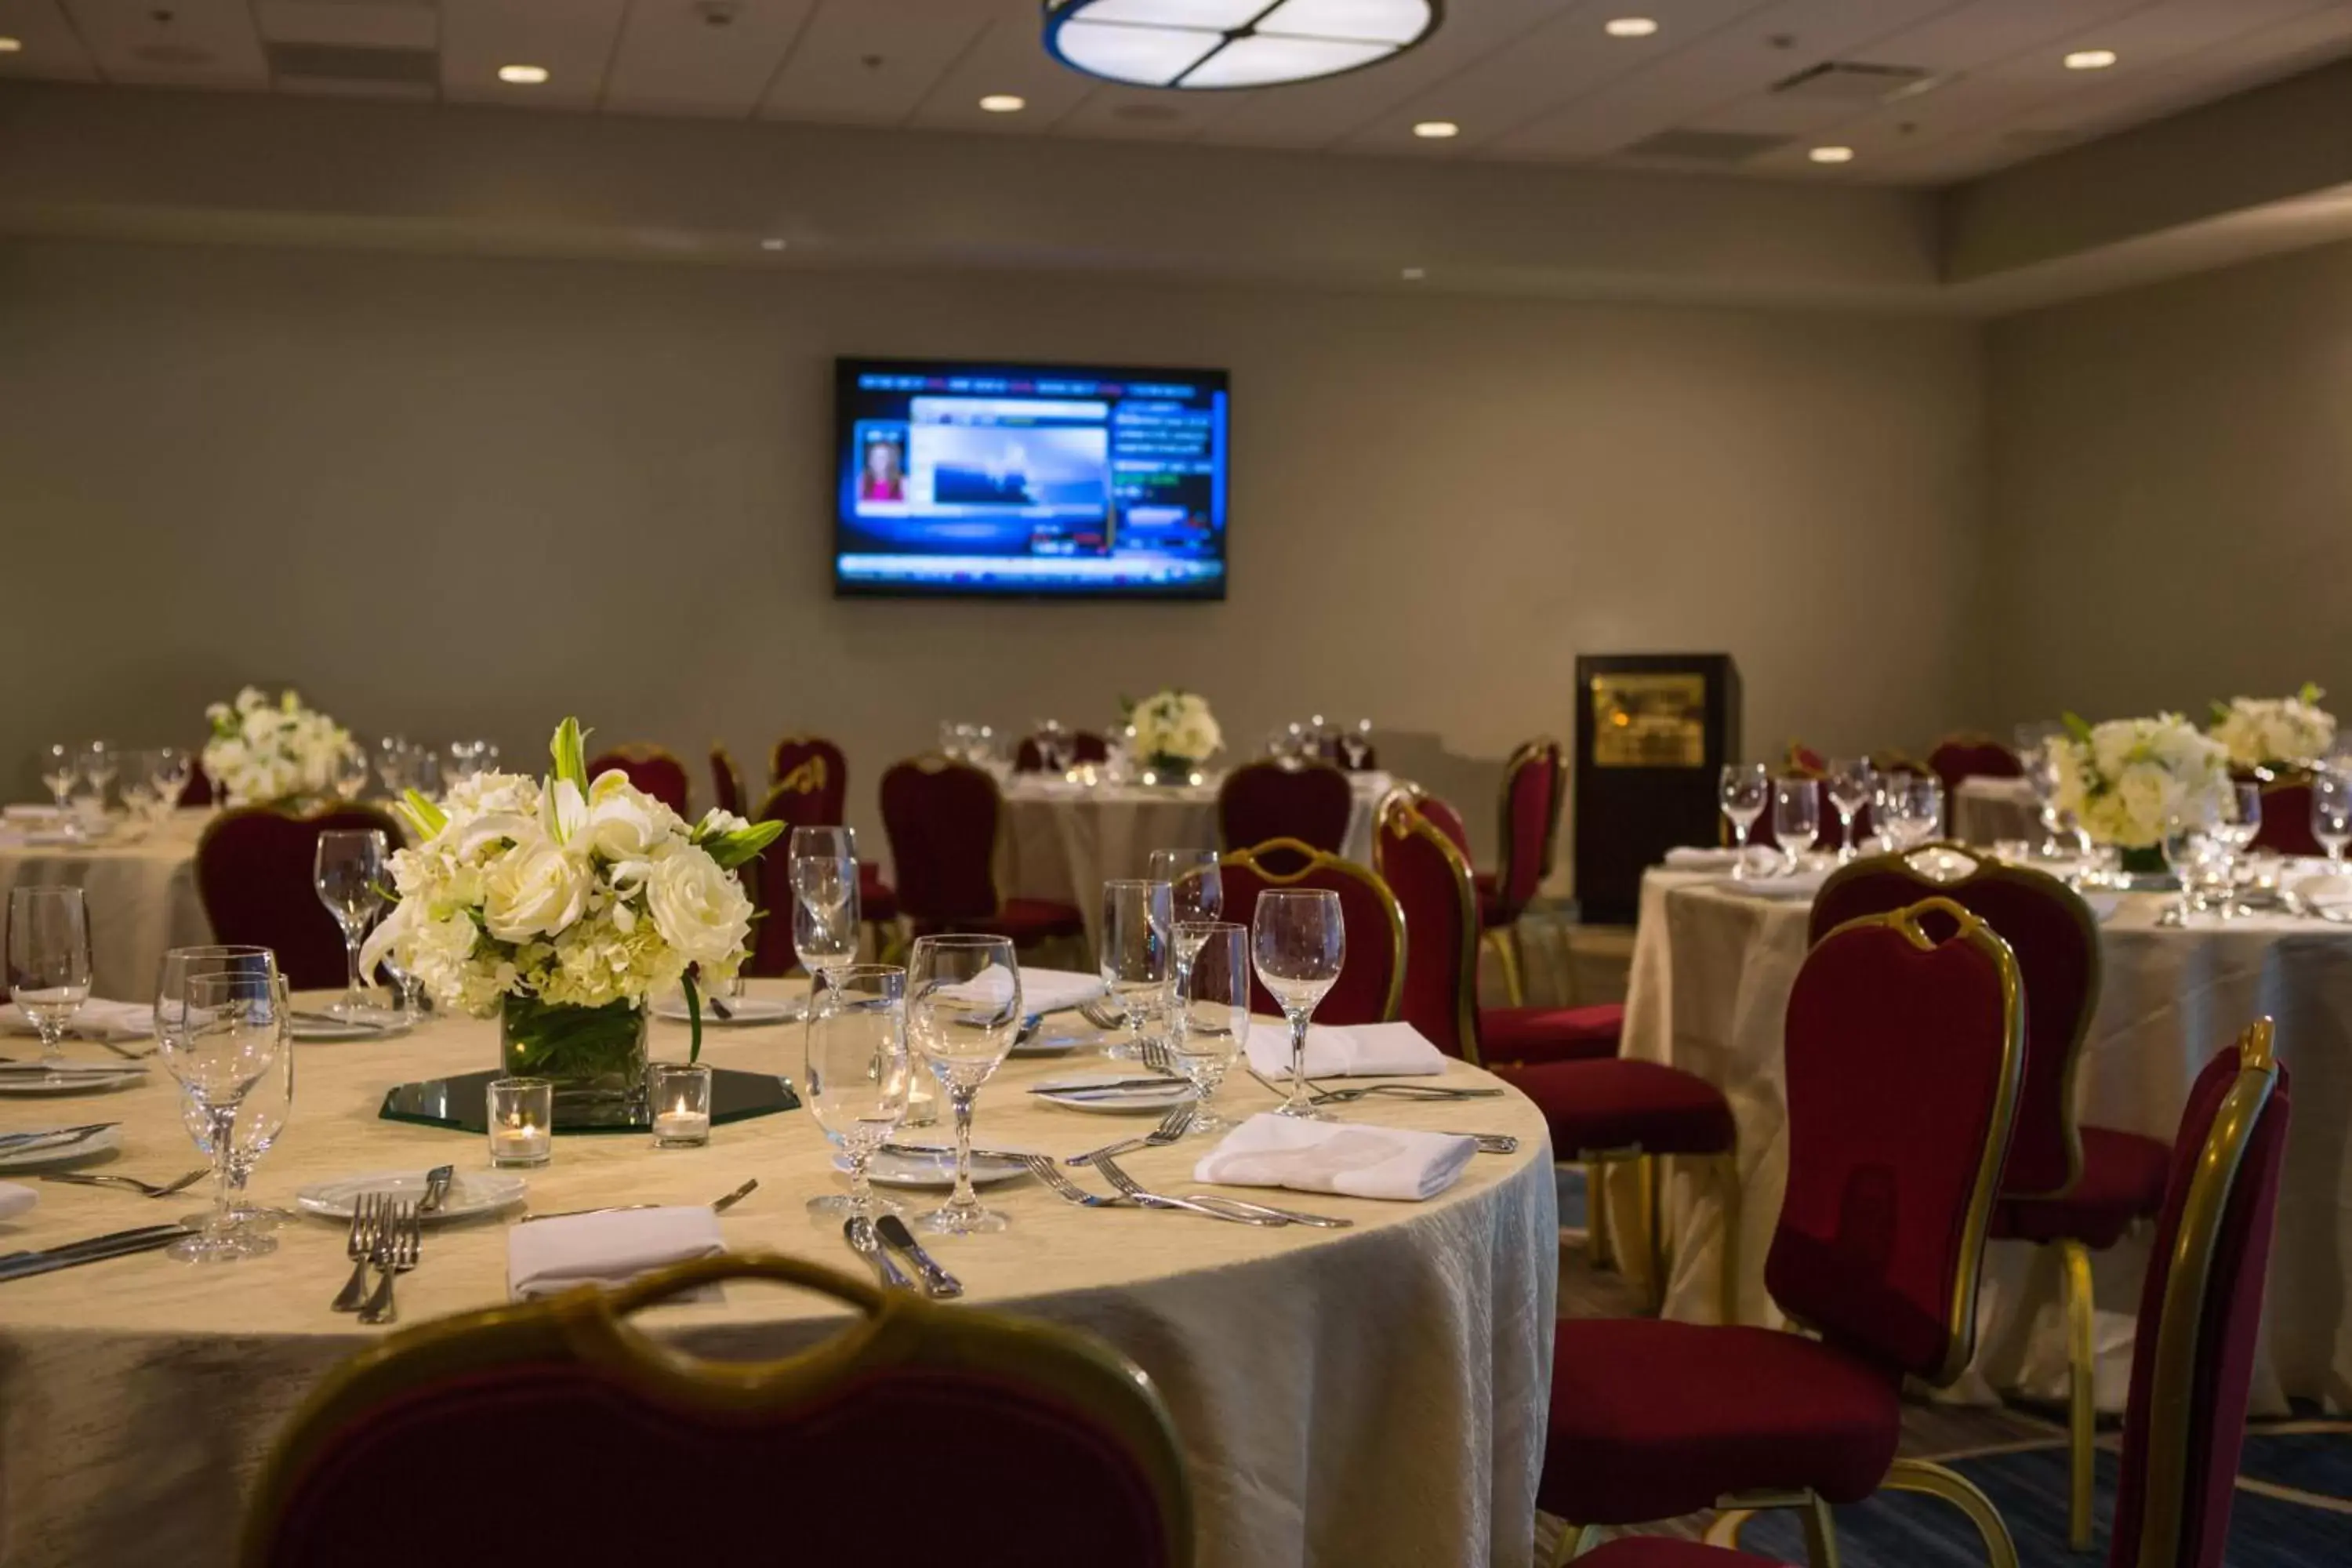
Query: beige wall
[460,495]
[2171,519]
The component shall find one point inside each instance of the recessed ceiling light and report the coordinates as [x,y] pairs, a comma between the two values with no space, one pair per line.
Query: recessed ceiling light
[771,245]
[1832,154]
[523,76]
[1436,130]
[2090,59]
[1004,103]
[1629,27]
[10,46]
[1414,274]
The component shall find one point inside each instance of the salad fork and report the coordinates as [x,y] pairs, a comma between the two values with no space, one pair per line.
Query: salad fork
[367,1216]
[129,1184]
[394,1254]
[1043,1167]
[1171,1127]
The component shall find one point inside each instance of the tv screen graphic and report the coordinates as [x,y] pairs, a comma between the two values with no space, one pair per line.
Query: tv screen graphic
[1029,480]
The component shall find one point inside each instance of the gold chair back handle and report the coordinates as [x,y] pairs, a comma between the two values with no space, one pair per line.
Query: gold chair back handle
[695,1273]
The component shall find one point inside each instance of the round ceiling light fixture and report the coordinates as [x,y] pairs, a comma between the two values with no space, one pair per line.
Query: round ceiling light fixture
[1200,45]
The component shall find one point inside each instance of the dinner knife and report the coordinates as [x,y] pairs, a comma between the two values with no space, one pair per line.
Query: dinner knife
[55,1137]
[96,1249]
[1112,1086]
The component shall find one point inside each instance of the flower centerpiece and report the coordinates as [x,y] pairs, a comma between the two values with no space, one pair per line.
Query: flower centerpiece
[2125,780]
[2271,734]
[1174,734]
[264,750]
[563,905]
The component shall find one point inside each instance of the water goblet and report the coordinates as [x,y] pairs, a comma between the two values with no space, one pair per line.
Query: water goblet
[1355,745]
[2233,830]
[1212,1015]
[1298,942]
[2331,814]
[1135,955]
[858,1074]
[100,763]
[174,770]
[828,846]
[347,869]
[1743,791]
[260,1117]
[963,1008]
[1925,819]
[230,1035]
[1796,818]
[48,960]
[825,927]
[138,787]
[1196,890]
[1852,781]
[347,774]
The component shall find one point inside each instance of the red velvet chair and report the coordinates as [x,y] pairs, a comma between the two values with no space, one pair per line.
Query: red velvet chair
[2286,819]
[1310,802]
[198,790]
[943,818]
[653,769]
[726,781]
[1903,1060]
[1970,756]
[253,869]
[1074,1464]
[1085,746]
[1372,975]
[810,788]
[1534,787]
[1601,1111]
[2078,1189]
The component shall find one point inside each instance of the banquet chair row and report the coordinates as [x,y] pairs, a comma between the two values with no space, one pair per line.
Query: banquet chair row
[811,789]
[1080,1466]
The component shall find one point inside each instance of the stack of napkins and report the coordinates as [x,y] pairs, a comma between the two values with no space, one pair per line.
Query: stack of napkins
[1049,990]
[1351,1158]
[1360,1050]
[613,1247]
[94,1019]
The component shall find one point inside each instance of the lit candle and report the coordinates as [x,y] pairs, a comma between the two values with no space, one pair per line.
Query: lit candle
[684,1093]
[521,1122]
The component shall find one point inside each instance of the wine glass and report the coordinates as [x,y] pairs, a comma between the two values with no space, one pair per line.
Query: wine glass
[1299,942]
[858,1073]
[48,960]
[392,764]
[347,774]
[1744,790]
[824,913]
[263,1115]
[427,775]
[964,1006]
[173,770]
[1211,1014]
[138,787]
[230,1034]
[100,763]
[1138,927]
[828,845]
[347,870]
[1054,746]
[2186,849]
[1890,808]
[2331,814]
[2232,829]
[1796,818]
[1196,891]
[1925,817]
[60,770]
[1851,781]
[1355,745]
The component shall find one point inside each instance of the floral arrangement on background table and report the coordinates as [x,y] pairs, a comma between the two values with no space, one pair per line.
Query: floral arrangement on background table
[2123,781]
[264,750]
[1174,734]
[2275,733]
[563,905]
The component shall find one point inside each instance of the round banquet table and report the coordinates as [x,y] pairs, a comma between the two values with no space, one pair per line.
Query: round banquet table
[1374,1394]
[140,890]
[1989,810]
[1712,971]
[1063,841]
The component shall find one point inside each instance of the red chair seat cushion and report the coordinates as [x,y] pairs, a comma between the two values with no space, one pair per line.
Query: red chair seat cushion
[2123,1180]
[1525,1036]
[1024,919]
[1617,1104]
[1651,1419]
[876,899]
[1667,1552]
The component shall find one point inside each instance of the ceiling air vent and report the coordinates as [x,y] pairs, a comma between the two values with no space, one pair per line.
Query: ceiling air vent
[1855,81]
[355,64]
[1705,146]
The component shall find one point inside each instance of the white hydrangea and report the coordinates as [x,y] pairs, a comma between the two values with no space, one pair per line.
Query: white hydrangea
[2283,731]
[263,750]
[1177,724]
[2125,780]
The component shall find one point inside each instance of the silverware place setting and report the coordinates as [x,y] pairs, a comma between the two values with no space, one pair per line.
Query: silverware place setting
[1211,1205]
[90,1249]
[397,1242]
[1171,1127]
[859,1231]
[717,1205]
[938,1283]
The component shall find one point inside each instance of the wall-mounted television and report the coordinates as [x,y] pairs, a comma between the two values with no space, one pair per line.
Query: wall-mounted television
[1029,480]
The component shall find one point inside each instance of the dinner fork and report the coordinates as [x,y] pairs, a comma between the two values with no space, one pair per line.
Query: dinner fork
[1159,1058]
[1171,1127]
[1042,1166]
[125,1052]
[367,1218]
[1126,1186]
[394,1254]
[129,1184]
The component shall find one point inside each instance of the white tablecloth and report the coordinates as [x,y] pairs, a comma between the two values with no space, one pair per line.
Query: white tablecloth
[1711,975]
[1064,840]
[1988,810]
[1368,1396]
[141,892]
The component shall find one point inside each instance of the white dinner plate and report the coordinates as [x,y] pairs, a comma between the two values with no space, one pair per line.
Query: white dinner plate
[77,1081]
[1053,1040]
[932,1173]
[1137,1103]
[104,1141]
[471,1193]
[374,1024]
[751,1012]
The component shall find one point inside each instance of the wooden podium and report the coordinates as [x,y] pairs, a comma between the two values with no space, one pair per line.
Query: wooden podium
[1652,733]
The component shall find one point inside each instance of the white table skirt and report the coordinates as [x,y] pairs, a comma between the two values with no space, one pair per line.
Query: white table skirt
[1988,810]
[141,893]
[1063,841]
[1711,975]
[1368,1396]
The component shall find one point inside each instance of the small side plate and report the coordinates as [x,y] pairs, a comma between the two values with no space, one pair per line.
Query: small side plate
[1125,1102]
[105,1141]
[932,1173]
[75,1082]
[471,1193]
[751,1012]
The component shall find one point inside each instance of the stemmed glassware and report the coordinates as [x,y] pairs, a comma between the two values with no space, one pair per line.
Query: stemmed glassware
[392,764]
[2194,858]
[348,773]
[2331,813]
[100,763]
[1796,818]
[1298,940]
[261,1116]
[48,960]
[963,1008]
[1744,791]
[61,770]
[2232,829]
[1136,956]
[347,868]
[173,770]
[1852,781]
[1355,745]
[138,788]
[1054,746]
[1925,820]
[824,913]
[1211,1014]
[858,1074]
[231,1033]
[467,758]
[1196,893]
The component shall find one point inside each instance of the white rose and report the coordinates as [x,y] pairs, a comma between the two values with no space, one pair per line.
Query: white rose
[623,822]
[700,910]
[533,890]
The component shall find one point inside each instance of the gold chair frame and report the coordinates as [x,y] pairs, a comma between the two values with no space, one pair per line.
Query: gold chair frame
[1505,939]
[1316,860]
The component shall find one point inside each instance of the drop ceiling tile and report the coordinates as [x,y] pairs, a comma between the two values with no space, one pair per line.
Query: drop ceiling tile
[573,40]
[363,24]
[49,50]
[188,43]
[1009,58]
[872,61]
[701,56]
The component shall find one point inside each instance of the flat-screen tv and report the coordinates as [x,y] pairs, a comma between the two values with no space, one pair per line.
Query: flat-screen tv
[1039,480]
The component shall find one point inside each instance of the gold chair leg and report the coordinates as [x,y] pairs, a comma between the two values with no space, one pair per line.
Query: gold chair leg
[1728,1168]
[2082,1386]
[1574,1542]
[1506,953]
[1653,1242]
[1926,1476]
[1821,1533]
[1597,1249]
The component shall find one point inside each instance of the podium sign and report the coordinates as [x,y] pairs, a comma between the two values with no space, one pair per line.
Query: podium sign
[1653,732]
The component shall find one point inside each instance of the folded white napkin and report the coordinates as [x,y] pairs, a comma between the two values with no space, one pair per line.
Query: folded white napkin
[16,1199]
[1044,990]
[1692,858]
[1347,1157]
[1801,885]
[610,1248]
[94,1019]
[1360,1050]
[2324,892]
